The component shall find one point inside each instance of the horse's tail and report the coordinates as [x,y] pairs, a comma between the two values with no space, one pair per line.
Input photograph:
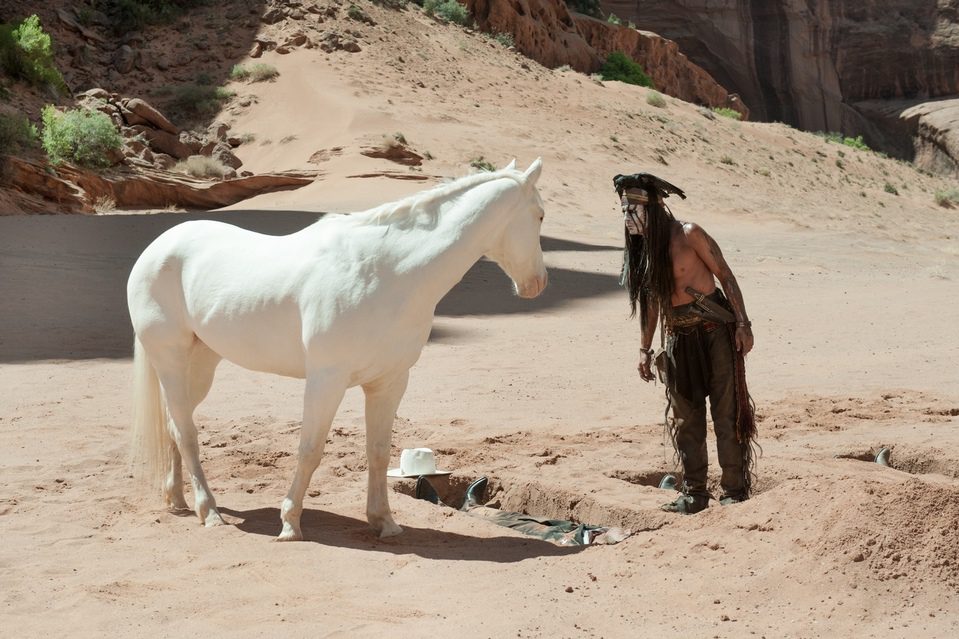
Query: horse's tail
[152,442]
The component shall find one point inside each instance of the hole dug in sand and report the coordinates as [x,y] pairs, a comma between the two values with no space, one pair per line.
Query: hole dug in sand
[538,501]
[909,459]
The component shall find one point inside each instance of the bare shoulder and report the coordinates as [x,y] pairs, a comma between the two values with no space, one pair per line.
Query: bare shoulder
[693,231]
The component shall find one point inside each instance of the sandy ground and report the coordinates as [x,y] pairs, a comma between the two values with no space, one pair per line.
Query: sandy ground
[851,291]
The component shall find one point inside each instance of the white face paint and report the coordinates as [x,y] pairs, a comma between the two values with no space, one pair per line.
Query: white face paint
[634,216]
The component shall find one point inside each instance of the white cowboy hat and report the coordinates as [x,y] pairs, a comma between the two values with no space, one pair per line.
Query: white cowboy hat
[415,462]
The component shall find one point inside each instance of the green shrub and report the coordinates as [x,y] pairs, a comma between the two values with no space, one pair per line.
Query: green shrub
[889,188]
[856,143]
[26,54]
[619,66]
[505,39]
[481,164]
[198,100]
[16,133]
[948,197]
[81,136]
[447,10]
[612,19]
[259,72]
[656,99]
[586,7]
[733,114]
[239,73]
[838,138]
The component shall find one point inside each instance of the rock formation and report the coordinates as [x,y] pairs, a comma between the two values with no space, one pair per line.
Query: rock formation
[811,63]
[546,31]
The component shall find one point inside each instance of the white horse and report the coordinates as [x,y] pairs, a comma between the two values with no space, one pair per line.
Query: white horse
[347,301]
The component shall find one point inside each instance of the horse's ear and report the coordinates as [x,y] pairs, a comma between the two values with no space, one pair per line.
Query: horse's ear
[532,173]
[511,165]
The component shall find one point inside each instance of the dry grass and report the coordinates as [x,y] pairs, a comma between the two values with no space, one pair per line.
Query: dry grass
[201,166]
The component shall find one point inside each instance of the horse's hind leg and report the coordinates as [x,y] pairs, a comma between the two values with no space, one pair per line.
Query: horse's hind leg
[324,392]
[173,367]
[202,367]
[382,399]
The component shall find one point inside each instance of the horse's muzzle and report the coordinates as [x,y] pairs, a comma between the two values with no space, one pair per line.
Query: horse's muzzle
[533,287]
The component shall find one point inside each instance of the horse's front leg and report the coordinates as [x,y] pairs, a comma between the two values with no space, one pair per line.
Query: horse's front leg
[324,392]
[382,399]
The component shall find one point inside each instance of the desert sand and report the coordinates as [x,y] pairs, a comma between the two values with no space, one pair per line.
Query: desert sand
[851,291]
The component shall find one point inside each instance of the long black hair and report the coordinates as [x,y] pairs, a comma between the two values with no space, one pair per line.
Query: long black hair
[648,269]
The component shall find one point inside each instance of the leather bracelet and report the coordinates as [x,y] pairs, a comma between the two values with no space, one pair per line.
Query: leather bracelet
[746,324]
[646,351]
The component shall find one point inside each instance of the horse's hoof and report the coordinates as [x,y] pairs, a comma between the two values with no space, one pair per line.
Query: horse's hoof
[213,518]
[390,530]
[289,534]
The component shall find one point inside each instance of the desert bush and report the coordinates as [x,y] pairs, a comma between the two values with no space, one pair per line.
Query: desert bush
[838,138]
[727,160]
[393,4]
[481,164]
[586,7]
[104,204]
[889,188]
[84,137]
[447,10]
[201,166]
[656,99]
[732,114]
[198,100]
[259,72]
[16,133]
[947,197]
[612,19]
[505,39]
[26,54]
[619,66]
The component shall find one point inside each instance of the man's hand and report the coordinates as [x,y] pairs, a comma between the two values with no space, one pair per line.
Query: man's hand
[645,365]
[744,339]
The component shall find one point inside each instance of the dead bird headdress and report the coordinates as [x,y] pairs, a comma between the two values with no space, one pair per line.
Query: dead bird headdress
[647,269]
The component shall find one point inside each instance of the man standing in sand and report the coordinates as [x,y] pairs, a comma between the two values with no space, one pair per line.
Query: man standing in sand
[670,270]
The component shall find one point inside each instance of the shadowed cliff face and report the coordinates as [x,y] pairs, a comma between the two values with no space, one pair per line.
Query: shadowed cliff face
[809,62]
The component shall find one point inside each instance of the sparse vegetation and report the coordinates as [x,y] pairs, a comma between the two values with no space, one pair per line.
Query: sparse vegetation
[201,166]
[656,99]
[394,4]
[198,100]
[446,10]
[16,133]
[838,138]
[889,188]
[948,198]
[400,138]
[726,112]
[621,67]
[505,39]
[26,53]
[586,7]
[612,19]
[840,165]
[481,164]
[727,160]
[104,204]
[84,137]
[258,72]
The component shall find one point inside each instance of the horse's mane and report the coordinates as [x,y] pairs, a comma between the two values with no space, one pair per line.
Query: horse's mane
[429,202]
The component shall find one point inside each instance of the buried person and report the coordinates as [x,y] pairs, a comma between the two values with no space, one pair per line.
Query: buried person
[558,531]
[670,271]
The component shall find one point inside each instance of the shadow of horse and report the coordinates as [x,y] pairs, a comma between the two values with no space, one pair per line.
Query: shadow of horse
[330,529]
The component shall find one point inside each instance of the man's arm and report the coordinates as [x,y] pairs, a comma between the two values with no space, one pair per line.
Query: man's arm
[647,331]
[709,252]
